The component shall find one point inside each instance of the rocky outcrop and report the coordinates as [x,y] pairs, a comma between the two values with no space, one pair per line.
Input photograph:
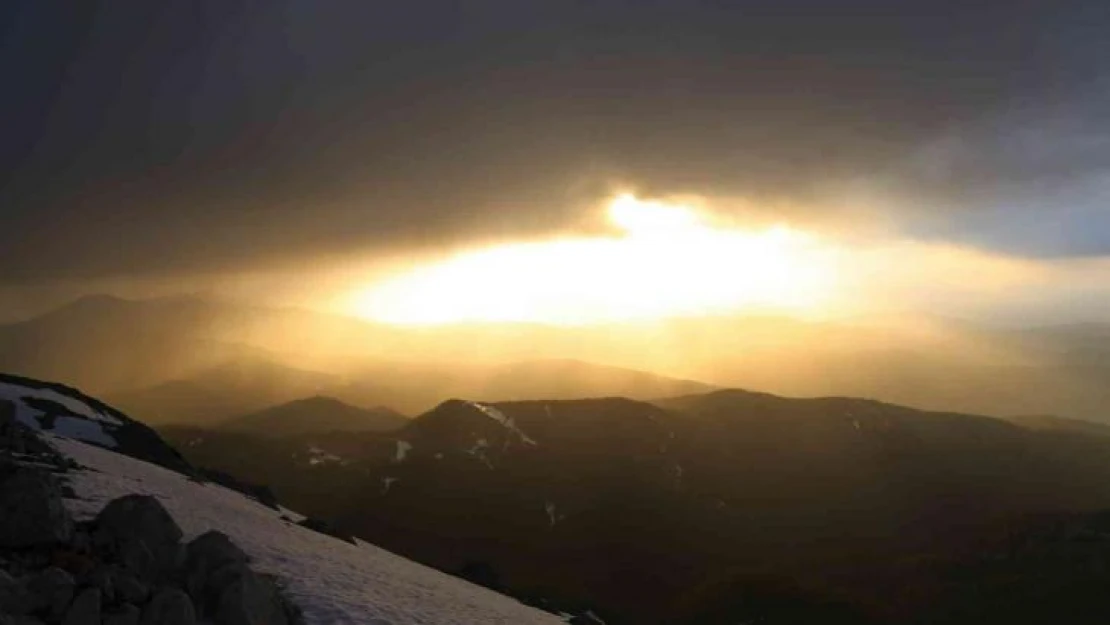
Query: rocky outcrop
[130,437]
[323,527]
[31,509]
[128,566]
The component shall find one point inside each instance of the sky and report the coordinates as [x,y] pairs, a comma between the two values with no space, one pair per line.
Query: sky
[284,145]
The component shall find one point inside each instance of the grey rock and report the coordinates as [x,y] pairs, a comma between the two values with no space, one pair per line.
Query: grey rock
[51,590]
[137,525]
[251,598]
[19,619]
[137,558]
[102,578]
[211,560]
[31,509]
[125,614]
[170,606]
[14,598]
[85,609]
[130,589]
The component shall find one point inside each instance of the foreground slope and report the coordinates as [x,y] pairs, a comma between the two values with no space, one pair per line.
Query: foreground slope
[332,581]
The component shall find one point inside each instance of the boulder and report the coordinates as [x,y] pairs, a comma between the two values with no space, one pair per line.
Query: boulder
[51,591]
[85,609]
[141,533]
[129,589]
[102,578]
[14,597]
[170,606]
[250,598]
[209,554]
[31,509]
[125,614]
[19,619]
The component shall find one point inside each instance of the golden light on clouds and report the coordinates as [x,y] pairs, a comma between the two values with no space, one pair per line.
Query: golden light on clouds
[667,261]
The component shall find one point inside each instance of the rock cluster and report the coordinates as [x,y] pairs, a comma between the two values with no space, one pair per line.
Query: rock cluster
[129,566]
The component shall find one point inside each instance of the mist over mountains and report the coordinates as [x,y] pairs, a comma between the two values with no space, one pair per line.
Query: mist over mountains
[193,359]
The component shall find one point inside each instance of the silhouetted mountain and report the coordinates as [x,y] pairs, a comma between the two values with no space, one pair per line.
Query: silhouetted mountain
[711,508]
[223,392]
[313,415]
[1050,423]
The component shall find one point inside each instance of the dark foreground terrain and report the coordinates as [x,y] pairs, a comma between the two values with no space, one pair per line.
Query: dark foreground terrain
[717,508]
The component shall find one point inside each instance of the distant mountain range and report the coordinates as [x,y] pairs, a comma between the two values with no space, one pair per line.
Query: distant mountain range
[719,507]
[315,415]
[191,358]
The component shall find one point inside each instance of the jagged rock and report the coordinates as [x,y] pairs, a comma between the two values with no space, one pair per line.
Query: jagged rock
[141,533]
[323,527]
[125,614]
[251,598]
[31,510]
[171,606]
[101,577]
[14,598]
[206,555]
[261,494]
[19,619]
[51,590]
[136,557]
[130,589]
[85,609]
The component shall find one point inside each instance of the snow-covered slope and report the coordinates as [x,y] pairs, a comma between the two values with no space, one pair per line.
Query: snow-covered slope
[332,581]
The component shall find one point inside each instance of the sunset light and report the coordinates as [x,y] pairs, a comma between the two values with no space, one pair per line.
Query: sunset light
[668,262]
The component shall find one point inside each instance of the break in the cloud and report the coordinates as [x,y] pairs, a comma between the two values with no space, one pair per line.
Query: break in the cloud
[232,138]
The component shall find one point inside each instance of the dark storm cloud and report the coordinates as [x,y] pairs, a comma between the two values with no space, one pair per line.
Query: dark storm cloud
[183,136]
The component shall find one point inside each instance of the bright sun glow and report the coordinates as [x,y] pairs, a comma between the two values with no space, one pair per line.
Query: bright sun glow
[668,262]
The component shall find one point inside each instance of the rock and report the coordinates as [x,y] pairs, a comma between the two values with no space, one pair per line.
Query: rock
[206,555]
[130,589]
[323,527]
[101,578]
[138,530]
[137,558]
[51,590]
[14,597]
[85,609]
[261,494]
[249,599]
[31,510]
[171,606]
[19,619]
[125,614]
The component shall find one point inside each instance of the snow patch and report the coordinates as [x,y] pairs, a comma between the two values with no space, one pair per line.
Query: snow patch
[83,430]
[88,425]
[403,448]
[552,514]
[18,393]
[317,456]
[597,619]
[498,416]
[479,451]
[387,483]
